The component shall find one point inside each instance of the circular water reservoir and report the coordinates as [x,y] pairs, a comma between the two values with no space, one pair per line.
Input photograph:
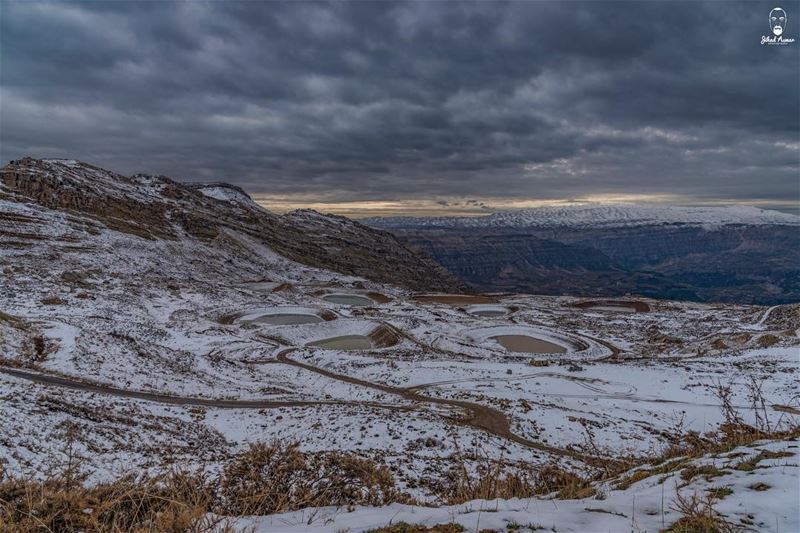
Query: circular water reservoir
[527,344]
[348,299]
[286,319]
[345,342]
[488,312]
[613,308]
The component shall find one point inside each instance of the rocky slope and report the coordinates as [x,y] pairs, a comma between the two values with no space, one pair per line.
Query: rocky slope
[158,208]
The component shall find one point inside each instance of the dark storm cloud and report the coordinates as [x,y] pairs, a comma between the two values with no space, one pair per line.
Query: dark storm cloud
[374,100]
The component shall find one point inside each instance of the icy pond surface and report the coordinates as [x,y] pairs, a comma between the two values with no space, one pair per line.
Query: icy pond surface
[345,342]
[613,308]
[489,312]
[286,319]
[347,299]
[526,344]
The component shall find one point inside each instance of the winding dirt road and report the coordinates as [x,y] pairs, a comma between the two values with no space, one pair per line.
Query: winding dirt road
[479,416]
[88,386]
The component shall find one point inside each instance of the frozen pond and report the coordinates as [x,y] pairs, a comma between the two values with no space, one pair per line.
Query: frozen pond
[348,299]
[286,319]
[489,312]
[345,342]
[614,308]
[526,344]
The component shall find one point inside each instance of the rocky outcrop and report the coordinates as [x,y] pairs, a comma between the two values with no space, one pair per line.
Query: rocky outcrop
[156,207]
[69,186]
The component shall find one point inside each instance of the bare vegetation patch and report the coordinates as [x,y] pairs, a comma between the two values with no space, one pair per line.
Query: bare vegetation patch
[176,502]
[494,478]
[268,478]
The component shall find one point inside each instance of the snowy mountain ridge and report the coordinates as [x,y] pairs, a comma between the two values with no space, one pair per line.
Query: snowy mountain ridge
[225,192]
[602,216]
[157,208]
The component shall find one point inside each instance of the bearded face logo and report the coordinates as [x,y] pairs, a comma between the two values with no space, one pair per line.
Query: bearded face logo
[777,20]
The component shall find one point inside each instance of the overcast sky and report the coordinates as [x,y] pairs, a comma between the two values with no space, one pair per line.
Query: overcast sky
[414,106]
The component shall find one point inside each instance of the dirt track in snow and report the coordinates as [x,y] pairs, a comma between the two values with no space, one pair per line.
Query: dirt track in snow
[478,416]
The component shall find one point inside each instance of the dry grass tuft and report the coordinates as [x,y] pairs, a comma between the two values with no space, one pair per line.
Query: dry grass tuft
[403,527]
[748,465]
[277,477]
[268,478]
[707,472]
[492,480]
[699,516]
[172,503]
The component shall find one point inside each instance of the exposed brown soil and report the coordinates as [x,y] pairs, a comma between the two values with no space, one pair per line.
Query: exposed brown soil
[283,287]
[227,320]
[379,298]
[384,336]
[639,307]
[326,315]
[527,344]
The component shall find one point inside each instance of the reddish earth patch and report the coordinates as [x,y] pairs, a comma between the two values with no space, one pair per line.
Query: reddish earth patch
[384,336]
[639,307]
[283,287]
[326,315]
[379,298]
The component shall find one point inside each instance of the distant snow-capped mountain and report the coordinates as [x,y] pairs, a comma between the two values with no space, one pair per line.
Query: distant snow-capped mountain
[722,254]
[601,216]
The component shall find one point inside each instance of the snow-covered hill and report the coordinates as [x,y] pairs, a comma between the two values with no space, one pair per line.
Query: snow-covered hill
[602,216]
[158,208]
[137,334]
